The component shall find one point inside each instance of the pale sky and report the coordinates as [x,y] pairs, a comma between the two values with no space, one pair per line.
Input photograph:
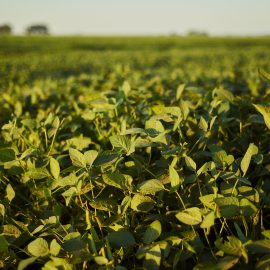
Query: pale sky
[64,17]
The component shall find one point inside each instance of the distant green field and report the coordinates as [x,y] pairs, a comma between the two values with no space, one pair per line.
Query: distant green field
[26,59]
[134,153]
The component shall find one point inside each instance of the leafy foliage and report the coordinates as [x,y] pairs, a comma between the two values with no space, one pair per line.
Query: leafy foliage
[148,153]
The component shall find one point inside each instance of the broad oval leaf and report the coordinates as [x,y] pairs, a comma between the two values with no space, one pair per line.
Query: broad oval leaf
[141,203]
[38,248]
[150,186]
[209,220]
[77,158]
[121,238]
[117,180]
[38,173]
[90,157]
[123,143]
[7,154]
[228,206]
[190,216]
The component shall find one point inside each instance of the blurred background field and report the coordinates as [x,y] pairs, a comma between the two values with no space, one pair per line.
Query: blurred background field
[202,61]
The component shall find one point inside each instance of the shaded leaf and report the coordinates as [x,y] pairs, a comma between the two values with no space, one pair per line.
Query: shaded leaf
[152,258]
[152,232]
[141,203]
[121,238]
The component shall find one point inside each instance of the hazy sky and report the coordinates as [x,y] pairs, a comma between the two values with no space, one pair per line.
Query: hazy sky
[245,17]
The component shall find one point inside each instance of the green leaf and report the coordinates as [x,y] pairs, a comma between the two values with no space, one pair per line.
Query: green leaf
[38,173]
[152,232]
[252,150]
[126,87]
[79,142]
[224,94]
[105,158]
[11,231]
[54,168]
[77,158]
[174,178]
[265,111]
[123,143]
[2,210]
[104,204]
[265,75]
[184,106]
[154,125]
[26,262]
[203,124]
[266,233]
[73,242]
[57,263]
[134,131]
[68,194]
[150,187]
[38,248]
[121,239]
[141,203]
[3,243]
[90,157]
[53,127]
[10,193]
[209,220]
[225,263]
[229,206]
[247,208]
[70,180]
[263,263]
[117,180]
[231,247]
[100,260]
[7,155]
[54,248]
[209,200]
[179,91]
[190,216]
[190,163]
[152,258]
[260,246]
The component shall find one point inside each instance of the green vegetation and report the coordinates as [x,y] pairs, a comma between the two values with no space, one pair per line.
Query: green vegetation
[134,153]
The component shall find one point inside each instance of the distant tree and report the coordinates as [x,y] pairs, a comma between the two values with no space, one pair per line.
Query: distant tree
[37,29]
[194,33]
[5,29]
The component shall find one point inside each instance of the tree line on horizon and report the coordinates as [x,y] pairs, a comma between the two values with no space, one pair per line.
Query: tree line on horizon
[42,29]
[34,29]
